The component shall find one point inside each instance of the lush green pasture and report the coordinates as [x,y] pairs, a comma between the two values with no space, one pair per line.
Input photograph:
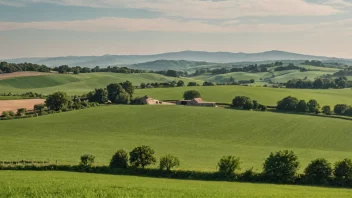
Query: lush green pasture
[267,96]
[198,136]
[76,84]
[64,184]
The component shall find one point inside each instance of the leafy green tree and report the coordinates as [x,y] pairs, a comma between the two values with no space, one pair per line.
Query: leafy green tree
[142,156]
[119,159]
[128,87]
[99,96]
[114,89]
[39,108]
[21,112]
[313,106]
[228,165]
[57,101]
[343,169]
[340,109]
[87,160]
[327,110]
[243,102]
[192,84]
[281,167]
[171,73]
[287,104]
[318,171]
[180,83]
[122,98]
[191,94]
[302,106]
[168,162]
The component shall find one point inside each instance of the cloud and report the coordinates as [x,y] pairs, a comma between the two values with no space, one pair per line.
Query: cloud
[114,24]
[339,3]
[208,9]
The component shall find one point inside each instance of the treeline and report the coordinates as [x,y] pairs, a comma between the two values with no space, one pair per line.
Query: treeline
[293,104]
[313,63]
[320,83]
[12,67]
[344,72]
[280,168]
[24,95]
[291,66]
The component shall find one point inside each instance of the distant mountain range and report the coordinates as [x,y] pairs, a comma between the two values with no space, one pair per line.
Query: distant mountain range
[214,57]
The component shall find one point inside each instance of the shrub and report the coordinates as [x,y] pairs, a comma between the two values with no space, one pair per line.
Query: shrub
[191,94]
[281,167]
[180,83]
[168,162]
[302,106]
[343,169]
[318,171]
[21,112]
[39,108]
[87,160]
[340,109]
[287,104]
[228,165]
[242,101]
[263,107]
[119,159]
[142,156]
[326,110]
[313,106]
[248,105]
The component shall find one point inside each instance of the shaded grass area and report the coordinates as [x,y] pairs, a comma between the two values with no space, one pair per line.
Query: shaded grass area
[64,184]
[198,136]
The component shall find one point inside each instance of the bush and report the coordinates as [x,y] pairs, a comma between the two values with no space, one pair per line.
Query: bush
[242,102]
[318,171]
[119,159]
[191,94]
[87,160]
[168,162]
[21,112]
[228,165]
[340,109]
[287,104]
[180,83]
[302,106]
[343,169]
[326,110]
[142,156]
[39,108]
[281,167]
[313,106]
[263,107]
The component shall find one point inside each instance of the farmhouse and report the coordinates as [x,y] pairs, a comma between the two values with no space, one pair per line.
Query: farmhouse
[196,102]
[146,100]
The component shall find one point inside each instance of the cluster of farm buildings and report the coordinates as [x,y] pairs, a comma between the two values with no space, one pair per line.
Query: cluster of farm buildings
[194,102]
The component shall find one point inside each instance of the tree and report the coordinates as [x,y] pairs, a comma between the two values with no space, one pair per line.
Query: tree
[180,83]
[114,90]
[99,96]
[57,101]
[39,108]
[206,83]
[281,167]
[318,83]
[21,112]
[302,106]
[129,88]
[287,104]
[168,162]
[119,159]
[318,171]
[343,169]
[191,94]
[242,102]
[192,84]
[143,86]
[122,98]
[87,160]
[142,156]
[313,106]
[171,73]
[340,109]
[228,165]
[327,110]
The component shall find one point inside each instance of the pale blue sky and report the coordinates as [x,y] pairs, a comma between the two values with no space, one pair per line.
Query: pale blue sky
[42,28]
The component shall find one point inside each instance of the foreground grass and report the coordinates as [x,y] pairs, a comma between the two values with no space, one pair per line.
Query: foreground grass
[198,136]
[64,184]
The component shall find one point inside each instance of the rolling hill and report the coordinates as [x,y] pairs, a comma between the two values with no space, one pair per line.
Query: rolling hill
[218,57]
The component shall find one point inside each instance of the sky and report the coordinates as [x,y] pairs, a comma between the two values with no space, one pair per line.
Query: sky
[50,28]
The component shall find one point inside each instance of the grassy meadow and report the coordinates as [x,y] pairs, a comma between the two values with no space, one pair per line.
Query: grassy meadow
[198,136]
[63,184]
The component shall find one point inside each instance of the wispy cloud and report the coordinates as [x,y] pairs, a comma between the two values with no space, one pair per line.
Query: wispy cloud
[207,9]
[172,25]
[339,3]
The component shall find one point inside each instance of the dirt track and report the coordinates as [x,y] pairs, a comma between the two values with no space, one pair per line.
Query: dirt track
[22,74]
[13,105]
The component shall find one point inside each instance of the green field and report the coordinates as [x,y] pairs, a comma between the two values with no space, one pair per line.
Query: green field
[198,136]
[62,184]
[77,84]
[266,96]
